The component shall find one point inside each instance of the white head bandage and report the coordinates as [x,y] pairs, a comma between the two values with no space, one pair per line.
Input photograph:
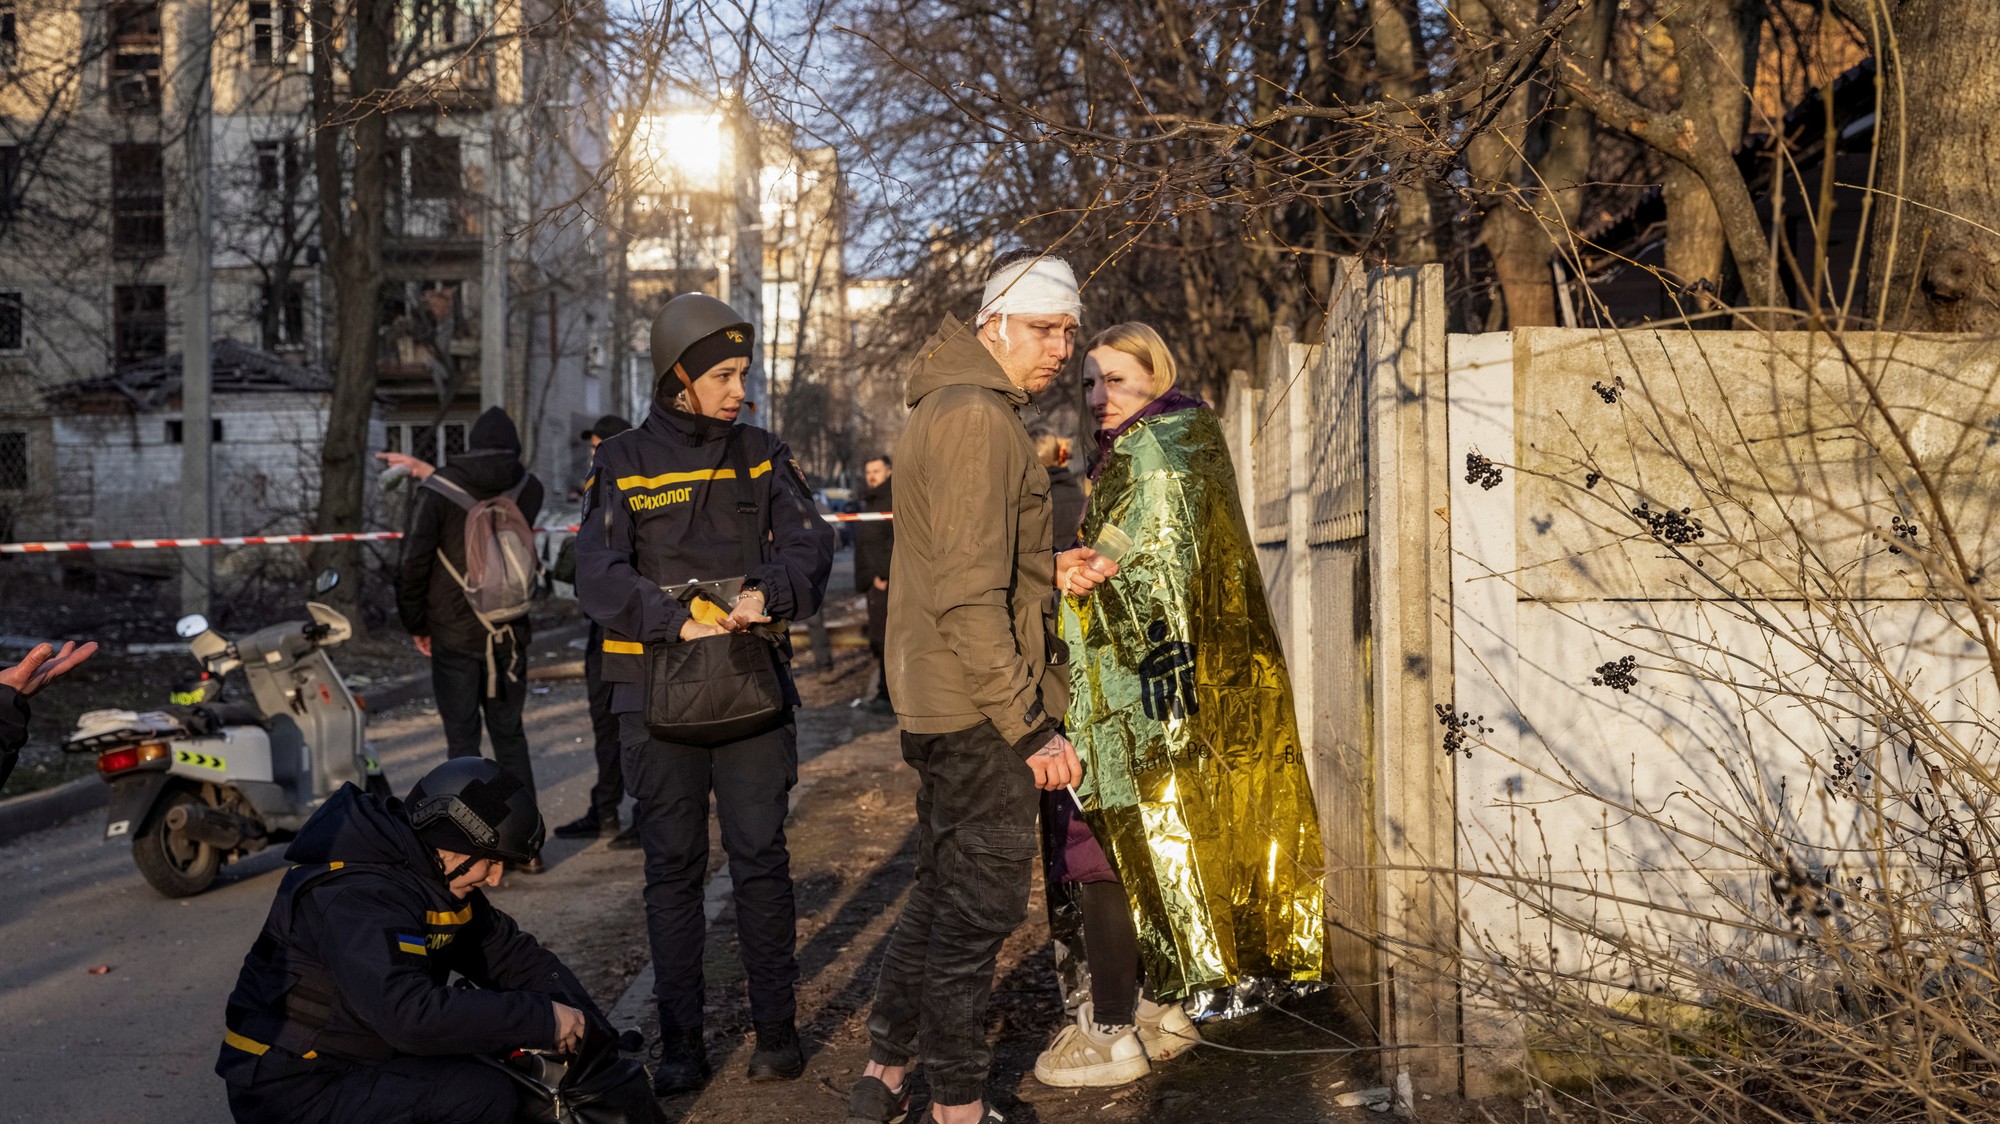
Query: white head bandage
[1037,287]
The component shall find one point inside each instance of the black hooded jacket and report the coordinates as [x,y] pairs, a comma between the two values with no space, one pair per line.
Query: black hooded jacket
[352,963]
[427,598]
[874,542]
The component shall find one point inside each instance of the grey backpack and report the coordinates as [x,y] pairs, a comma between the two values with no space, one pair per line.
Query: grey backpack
[500,563]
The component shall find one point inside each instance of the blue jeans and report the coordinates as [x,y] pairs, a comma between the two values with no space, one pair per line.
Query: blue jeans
[976,808]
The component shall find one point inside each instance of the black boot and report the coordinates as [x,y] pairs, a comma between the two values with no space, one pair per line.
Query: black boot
[590,825]
[778,1056]
[627,840]
[683,1065]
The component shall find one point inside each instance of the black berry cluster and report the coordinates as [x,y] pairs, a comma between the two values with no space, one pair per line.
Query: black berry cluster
[1617,674]
[1668,525]
[1610,392]
[1460,727]
[1904,529]
[1481,471]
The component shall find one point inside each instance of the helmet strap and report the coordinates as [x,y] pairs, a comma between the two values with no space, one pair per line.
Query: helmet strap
[455,873]
[694,400]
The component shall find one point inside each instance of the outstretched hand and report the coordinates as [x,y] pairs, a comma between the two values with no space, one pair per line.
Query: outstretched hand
[44,665]
[415,466]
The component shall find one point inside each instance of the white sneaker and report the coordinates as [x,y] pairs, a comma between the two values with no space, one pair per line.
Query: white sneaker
[1165,1030]
[1083,1055]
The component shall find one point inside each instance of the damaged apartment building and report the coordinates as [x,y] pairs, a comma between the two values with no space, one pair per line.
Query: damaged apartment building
[496,289]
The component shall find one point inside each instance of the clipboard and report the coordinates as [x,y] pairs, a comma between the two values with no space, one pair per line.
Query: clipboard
[722,591]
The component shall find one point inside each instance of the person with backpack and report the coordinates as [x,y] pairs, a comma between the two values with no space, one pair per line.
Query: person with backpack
[699,540]
[462,590]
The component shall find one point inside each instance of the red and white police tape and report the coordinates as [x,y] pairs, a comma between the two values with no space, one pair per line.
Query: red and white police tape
[284,540]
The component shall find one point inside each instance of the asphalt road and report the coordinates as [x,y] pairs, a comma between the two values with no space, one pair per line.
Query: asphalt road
[137,1044]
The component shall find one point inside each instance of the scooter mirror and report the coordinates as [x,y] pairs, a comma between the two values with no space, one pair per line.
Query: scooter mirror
[191,626]
[326,580]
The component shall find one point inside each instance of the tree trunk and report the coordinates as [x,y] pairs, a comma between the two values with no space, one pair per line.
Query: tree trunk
[1401,77]
[1935,256]
[1713,55]
[1523,228]
[352,220]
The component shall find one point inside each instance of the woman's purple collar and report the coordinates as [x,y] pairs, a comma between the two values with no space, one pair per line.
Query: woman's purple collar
[1172,402]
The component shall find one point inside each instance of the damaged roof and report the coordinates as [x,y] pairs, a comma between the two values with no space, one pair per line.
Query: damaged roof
[237,368]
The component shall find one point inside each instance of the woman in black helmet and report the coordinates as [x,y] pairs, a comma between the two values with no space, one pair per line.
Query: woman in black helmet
[691,495]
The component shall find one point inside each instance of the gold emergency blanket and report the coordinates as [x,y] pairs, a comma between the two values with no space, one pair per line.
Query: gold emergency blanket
[1182,712]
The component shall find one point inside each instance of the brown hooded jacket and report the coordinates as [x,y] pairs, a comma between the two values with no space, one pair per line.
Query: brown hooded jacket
[972,632]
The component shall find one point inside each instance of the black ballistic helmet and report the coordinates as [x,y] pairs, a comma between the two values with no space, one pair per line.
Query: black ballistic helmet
[473,806]
[681,323]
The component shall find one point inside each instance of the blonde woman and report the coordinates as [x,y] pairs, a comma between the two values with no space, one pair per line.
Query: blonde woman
[1196,858]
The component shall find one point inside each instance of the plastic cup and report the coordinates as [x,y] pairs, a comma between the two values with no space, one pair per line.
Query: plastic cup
[1113,543]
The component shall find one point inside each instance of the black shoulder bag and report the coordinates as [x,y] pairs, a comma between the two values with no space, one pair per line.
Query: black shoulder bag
[720,689]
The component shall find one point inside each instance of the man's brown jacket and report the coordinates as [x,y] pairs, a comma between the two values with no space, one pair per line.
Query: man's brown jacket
[972,633]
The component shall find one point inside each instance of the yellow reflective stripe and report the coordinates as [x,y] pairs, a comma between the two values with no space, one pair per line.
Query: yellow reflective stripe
[627,483]
[624,647]
[458,917]
[252,1046]
[335,865]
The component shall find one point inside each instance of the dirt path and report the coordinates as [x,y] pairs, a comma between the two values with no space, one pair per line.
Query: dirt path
[853,855]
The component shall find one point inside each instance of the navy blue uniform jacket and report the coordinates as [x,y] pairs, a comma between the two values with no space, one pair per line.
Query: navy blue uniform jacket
[352,963]
[660,508]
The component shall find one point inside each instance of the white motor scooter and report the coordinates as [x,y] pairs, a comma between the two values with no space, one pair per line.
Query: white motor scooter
[206,782]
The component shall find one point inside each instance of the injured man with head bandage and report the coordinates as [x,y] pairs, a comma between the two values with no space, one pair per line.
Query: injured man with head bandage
[978,691]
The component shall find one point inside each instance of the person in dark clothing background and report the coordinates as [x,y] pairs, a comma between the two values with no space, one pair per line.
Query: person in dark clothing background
[602,817]
[342,1011]
[672,501]
[434,608]
[42,666]
[874,543]
[1065,494]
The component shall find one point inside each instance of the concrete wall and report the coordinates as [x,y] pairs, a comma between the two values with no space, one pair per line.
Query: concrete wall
[1787,630]
[1461,533]
[118,474]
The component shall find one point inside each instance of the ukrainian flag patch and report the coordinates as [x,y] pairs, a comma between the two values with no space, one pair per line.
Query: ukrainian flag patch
[412,943]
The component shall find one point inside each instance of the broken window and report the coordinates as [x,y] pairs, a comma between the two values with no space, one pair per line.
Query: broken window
[277,165]
[13,461]
[177,433]
[10,33]
[273,32]
[435,172]
[135,56]
[284,315]
[139,322]
[439,23]
[13,325]
[138,200]
[10,177]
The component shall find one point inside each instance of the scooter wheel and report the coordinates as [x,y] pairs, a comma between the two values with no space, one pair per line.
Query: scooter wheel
[173,864]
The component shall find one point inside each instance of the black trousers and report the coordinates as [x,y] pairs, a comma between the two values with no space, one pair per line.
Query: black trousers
[976,808]
[458,683]
[878,636]
[409,1090]
[610,786]
[751,780]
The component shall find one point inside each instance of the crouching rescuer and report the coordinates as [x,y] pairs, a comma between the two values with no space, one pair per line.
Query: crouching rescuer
[342,1010]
